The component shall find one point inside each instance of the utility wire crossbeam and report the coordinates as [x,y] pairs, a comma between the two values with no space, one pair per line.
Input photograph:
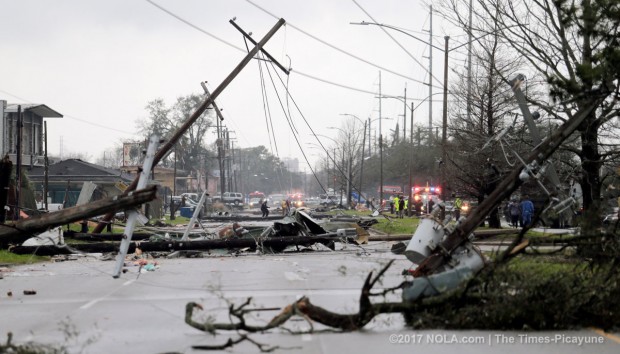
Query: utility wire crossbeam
[247,36]
[199,111]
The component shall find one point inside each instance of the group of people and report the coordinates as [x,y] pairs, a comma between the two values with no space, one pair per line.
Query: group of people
[521,212]
[285,204]
[399,205]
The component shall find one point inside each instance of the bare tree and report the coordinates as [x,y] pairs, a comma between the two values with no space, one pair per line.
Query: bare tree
[163,120]
[573,47]
[481,108]
[351,137]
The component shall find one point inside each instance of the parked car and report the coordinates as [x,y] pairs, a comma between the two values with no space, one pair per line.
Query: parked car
[329,200]
[312,201]
[230,198]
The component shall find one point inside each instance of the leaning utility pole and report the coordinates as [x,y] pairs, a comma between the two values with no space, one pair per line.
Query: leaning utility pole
[163,151]
[442,253]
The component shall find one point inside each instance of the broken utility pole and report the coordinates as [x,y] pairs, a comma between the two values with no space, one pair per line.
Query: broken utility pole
[133,214]
[199,111]
[196,245]
[25,228]
[533,162]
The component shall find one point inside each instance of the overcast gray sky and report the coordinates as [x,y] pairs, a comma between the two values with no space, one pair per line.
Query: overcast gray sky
[99,63]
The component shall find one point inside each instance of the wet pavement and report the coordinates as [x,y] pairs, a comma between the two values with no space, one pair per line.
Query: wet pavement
[144,312]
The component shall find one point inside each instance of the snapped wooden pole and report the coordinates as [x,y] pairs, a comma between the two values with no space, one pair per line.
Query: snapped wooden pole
[26,228]
[199,111]
[503,190]
[133,214]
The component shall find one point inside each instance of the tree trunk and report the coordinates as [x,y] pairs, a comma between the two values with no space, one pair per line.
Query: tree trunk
[590,177]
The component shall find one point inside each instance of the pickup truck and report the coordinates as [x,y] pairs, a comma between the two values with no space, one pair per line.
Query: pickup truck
[230,198]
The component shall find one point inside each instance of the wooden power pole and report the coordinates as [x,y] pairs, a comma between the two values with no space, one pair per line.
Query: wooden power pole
[199,111]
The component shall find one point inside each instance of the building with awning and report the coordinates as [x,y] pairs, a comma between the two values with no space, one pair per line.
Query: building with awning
[32,144]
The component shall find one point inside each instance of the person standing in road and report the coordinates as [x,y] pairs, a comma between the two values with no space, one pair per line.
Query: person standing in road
[458,203]
[283,206]
[264,208]
[431,204]
[514,212]
[401,207]
[396,202]
[527,210]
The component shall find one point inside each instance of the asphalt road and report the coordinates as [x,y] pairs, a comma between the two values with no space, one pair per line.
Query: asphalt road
[79,305]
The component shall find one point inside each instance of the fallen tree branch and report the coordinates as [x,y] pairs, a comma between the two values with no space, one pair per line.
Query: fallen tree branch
[579,296]
[304,308]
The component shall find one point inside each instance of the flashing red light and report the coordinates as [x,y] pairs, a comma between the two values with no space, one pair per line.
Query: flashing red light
[428,190]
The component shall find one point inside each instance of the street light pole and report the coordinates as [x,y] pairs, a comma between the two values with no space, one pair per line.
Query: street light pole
[444,131]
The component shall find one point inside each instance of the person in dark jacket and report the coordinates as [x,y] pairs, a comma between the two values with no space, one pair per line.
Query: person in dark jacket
[514,212]
[401,207]
[264,208]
